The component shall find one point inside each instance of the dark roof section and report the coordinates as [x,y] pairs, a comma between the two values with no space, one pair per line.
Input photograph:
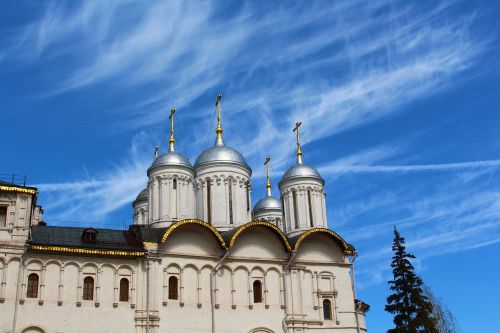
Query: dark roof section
[148,234]
[107,239]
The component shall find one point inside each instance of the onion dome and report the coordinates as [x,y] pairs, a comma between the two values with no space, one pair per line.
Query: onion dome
[171,158]
[267,203]
[301,170]
[220,152]
[143,195]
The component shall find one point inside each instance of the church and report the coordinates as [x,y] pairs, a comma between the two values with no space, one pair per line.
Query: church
[198,257]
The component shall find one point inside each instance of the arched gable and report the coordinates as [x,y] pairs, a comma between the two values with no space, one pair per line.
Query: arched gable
[276,230]
[346,248]
[206,225]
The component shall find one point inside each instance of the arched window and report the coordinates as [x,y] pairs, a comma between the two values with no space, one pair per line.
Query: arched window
[327,309]
[173,287]
[32,291]
[295,209]
[88,288]
[174,184]
[257,291]
[124,288]
[310,208]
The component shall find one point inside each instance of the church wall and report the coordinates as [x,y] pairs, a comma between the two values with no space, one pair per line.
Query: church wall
[58,305]
[234,306]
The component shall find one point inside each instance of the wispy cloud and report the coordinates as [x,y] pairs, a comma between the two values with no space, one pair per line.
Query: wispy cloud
[92,199]
[346,168]
[458,215]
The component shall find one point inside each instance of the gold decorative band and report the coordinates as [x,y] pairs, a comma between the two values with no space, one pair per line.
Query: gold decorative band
[17,189]
[74,250]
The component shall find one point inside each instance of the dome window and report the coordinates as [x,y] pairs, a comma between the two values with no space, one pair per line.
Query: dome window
[89,235]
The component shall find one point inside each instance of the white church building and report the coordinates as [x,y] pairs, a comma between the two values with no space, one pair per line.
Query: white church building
[197,258]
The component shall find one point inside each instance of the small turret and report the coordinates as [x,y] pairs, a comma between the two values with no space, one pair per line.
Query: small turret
[303,194]
[170,185]
[268,208]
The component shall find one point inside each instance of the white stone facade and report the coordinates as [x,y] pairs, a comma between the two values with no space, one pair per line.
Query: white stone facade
[192,261]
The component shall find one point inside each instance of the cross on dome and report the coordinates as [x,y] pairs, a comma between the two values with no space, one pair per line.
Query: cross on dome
[171,142]
[219,130]
[299,151]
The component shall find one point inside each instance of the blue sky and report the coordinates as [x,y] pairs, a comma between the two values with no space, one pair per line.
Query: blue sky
[399,103]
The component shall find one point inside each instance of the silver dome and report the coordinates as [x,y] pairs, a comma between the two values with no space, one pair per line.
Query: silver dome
[301,170]
[143,195]
[267,203]
[171,158]
[220,153]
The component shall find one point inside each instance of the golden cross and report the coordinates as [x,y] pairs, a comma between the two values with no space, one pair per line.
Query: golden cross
[299,151]
[218,140]
[172,139]
[219,97]
[268,184]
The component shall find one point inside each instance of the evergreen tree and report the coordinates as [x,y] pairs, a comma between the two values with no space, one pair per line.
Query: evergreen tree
[410,306]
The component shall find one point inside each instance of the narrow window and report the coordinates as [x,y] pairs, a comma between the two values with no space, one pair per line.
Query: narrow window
[327,309]
[310,208]
[230,189]
[124,288]
[257,291]
[32,291]
[173,288]
[174,184]
[283,212]
[248,197]
[295,209]
[209,204]
[88,288]
[3,216]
